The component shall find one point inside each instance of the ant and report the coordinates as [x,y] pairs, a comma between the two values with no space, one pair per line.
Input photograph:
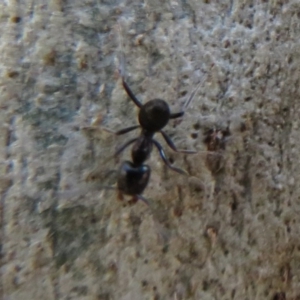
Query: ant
[153,116]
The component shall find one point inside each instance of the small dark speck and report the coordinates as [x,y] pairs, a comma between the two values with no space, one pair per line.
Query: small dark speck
[248,99]
[165,249]
[177,211]
[93,220]
[50,58]
[12,74]
[194,135]
[16,19]
[76,128]
[171,159]
[279,296]
[227,44]
[290,60]
[183,93]
[205,285]
[234,205]
[243,127]
[196,126]
[104,296]
[248,25]
[144,283]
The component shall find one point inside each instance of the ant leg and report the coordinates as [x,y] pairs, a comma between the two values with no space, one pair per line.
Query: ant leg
[186,104]
[177,115]
[128,129]
[190,99]
[119,132]
[172,146]
[164,158]
[136,198]
[125,146]
[140,197]
[131,94]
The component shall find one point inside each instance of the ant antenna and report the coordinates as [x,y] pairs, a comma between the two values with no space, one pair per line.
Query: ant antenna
[121,57]
[192,96]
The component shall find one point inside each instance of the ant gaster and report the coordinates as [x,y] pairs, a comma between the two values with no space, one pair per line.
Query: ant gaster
[153,116]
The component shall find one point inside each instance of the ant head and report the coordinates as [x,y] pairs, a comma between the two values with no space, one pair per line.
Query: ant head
[154,115]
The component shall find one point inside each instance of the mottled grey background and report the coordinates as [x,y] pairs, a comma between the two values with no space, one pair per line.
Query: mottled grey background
[230,230]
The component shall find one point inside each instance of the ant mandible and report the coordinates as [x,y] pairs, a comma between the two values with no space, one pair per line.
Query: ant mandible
[153,116]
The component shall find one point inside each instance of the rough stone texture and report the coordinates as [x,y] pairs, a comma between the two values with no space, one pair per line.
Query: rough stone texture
[230,230]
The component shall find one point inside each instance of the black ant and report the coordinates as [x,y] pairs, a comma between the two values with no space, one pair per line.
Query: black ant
[153,116]
[133,176]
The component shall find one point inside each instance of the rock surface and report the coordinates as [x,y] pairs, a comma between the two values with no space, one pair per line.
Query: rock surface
[229,230]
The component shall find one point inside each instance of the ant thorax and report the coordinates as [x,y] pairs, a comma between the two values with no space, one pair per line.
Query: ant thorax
[142,148]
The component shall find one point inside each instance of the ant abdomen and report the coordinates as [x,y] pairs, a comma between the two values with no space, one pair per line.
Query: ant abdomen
[132,180]
[154,115]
